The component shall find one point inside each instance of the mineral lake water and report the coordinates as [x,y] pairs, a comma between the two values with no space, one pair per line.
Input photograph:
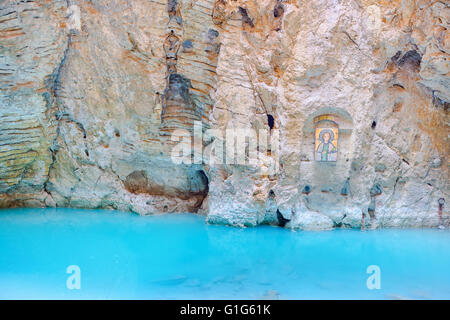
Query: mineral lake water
[116,255]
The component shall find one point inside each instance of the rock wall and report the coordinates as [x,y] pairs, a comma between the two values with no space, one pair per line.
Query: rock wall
[95,96]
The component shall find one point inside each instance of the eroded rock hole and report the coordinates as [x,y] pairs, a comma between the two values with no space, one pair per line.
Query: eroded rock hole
[411,58]
[278,11]
[245,17]
[270,121]
[187,44]
[306,189]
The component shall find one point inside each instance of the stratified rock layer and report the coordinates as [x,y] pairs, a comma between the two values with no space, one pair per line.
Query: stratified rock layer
[92,94]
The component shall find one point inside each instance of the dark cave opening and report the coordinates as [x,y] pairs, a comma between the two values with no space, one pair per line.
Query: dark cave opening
[270,121]
[205,181]
[281,220]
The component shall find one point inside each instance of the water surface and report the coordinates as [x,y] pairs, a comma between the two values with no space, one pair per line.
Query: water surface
[125,256]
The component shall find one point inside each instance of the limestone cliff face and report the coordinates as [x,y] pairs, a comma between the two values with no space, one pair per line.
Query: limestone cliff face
[92,94]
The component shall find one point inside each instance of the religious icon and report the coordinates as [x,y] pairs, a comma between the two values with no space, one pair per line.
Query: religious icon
[326,144]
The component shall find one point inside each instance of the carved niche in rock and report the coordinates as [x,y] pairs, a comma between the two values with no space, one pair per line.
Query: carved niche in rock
[213,45]
[171,47]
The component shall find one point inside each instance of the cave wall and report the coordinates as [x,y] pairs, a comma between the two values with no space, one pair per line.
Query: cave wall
[384,63]
[91,113]
[92,92]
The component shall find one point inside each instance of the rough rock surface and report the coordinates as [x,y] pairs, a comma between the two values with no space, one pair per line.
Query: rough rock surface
[93,92]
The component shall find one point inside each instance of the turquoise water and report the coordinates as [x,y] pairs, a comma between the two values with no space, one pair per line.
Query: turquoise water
[124,256]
